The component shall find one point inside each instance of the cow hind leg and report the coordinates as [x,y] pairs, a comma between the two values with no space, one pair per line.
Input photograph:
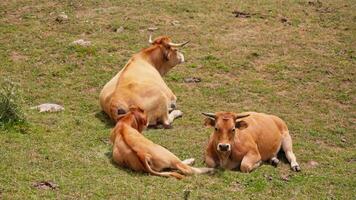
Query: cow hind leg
[188,170]
[287,148]
[189,161]
[146,161]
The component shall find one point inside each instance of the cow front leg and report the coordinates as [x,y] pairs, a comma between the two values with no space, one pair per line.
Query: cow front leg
[189,161]
[210,161]
[251,161]
[167,123]
[274,161]
[174,115]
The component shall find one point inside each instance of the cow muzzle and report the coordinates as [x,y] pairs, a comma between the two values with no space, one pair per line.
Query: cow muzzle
[224,147]
[180,57]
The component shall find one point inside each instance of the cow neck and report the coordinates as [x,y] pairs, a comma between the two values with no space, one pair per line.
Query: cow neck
[155,57]
[129,121]
[224,159]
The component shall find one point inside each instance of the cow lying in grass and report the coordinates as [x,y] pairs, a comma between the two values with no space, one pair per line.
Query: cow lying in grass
[140,83]
[245,140]
[131,149]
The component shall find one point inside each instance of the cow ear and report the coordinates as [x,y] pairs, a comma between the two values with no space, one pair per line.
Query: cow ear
[241,124]
[209,122]
[119,117]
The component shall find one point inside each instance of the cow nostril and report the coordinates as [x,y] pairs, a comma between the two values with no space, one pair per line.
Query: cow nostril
[223,147]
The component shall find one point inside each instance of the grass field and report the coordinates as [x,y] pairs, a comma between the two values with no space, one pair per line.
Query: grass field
[295,59]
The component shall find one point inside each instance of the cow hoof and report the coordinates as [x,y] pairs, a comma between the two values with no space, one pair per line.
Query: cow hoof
[210,171]
[155,126]
[296,168]
[167,126]
[189,161]
[274,162]
[173,106]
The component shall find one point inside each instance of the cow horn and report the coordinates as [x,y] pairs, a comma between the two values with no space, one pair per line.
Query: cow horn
[150,39]
[241,115]
[210,115]
[178,44]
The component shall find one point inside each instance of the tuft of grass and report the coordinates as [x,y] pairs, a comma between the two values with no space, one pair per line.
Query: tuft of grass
[10,109]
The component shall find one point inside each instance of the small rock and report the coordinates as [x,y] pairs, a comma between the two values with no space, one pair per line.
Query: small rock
[48,107]
[237,186]
[120,29]
[316,3]
[285,21]
[268,177]
[62,17]
[175,23]
[192,80]
[312,164]
[105,140]
[45,185]
[16,56]
[285,178]
[152,28]
[81,42]
[186,194]
[343,140]
[240,14]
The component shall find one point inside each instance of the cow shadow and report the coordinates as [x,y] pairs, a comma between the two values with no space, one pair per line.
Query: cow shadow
[109,123]
[282,157]
[105,119]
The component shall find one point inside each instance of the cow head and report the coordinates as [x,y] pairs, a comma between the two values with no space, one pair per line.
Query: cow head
[136,117]
[140,117]
[164,54]
[225,124]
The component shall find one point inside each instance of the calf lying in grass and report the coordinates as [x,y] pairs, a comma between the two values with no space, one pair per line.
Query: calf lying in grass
[131,149]
[244,140]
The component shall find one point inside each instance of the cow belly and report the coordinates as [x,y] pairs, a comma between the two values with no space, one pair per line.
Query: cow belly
[270,147]
[267,136]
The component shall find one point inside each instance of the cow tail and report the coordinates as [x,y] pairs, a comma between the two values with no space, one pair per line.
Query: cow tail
[165,174]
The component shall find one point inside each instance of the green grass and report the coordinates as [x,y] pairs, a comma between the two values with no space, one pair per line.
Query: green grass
[11,113]
[303,71]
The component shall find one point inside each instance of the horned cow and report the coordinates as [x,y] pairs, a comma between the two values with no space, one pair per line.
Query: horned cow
[245,140]
[140,83]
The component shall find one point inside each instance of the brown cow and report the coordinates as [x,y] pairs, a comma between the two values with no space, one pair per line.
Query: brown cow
[131,149]
[140,83]
[247,139]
